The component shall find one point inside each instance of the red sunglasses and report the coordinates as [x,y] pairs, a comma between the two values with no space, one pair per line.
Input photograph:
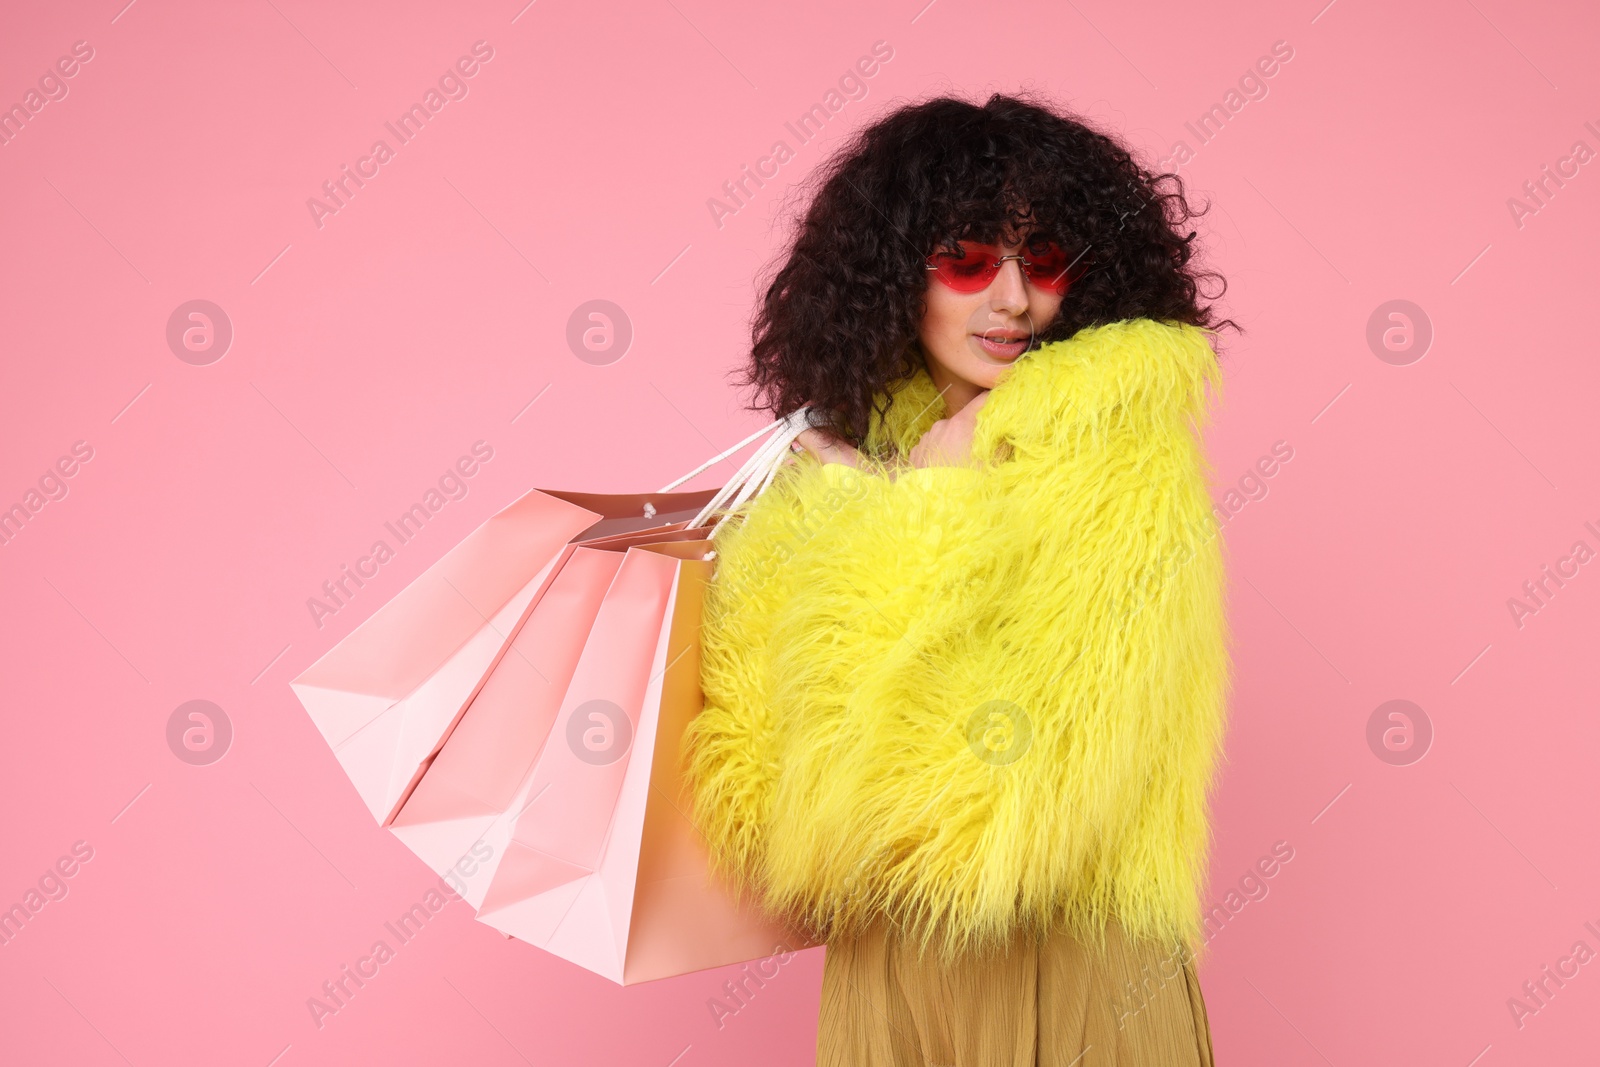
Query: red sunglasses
[977,265]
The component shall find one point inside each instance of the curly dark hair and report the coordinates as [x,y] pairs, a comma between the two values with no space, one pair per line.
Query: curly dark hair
[838,323]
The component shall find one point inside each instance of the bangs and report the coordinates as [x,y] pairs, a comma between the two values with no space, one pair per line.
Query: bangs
[989,185]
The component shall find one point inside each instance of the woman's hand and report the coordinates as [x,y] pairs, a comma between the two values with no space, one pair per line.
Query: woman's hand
[948,442]
[828,448]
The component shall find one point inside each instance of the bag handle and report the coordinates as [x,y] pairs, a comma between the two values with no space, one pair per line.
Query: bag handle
[756,473]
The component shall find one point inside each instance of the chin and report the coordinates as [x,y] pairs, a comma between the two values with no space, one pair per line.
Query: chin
[984,371]
[983,376]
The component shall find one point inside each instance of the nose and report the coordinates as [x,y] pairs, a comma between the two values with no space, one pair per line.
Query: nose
[1008,292]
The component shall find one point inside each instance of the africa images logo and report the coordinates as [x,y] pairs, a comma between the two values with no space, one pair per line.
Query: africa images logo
[852,86]
[451,85]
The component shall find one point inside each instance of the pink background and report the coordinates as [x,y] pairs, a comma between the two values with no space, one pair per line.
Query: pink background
[370,353]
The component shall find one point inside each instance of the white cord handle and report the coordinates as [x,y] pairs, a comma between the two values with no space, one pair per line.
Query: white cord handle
[718,458]
[757,472]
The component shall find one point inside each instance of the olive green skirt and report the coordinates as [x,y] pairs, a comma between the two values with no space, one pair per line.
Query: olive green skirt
[1056,1003]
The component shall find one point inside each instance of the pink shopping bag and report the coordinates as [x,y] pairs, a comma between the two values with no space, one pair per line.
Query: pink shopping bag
[599,596]
[601,864]
[387,695]
[474,780]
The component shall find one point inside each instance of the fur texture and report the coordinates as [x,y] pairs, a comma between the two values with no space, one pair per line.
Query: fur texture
[968,698]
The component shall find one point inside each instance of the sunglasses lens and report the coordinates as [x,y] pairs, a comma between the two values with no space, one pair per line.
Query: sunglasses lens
[970,272]
[1049,269]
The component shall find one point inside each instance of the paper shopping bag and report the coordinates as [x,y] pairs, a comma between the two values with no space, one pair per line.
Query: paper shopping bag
[387,695]
[475,779]
[684,917]
[602,865]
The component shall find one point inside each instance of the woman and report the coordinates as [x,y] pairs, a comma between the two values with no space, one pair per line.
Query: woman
[965,660]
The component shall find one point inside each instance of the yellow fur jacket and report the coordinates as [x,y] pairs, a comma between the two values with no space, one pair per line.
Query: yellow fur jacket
[964,700]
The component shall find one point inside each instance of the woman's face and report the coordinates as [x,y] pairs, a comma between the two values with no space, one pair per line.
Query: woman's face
[969,339]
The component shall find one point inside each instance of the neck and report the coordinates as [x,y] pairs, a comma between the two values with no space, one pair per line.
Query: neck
[958,392]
